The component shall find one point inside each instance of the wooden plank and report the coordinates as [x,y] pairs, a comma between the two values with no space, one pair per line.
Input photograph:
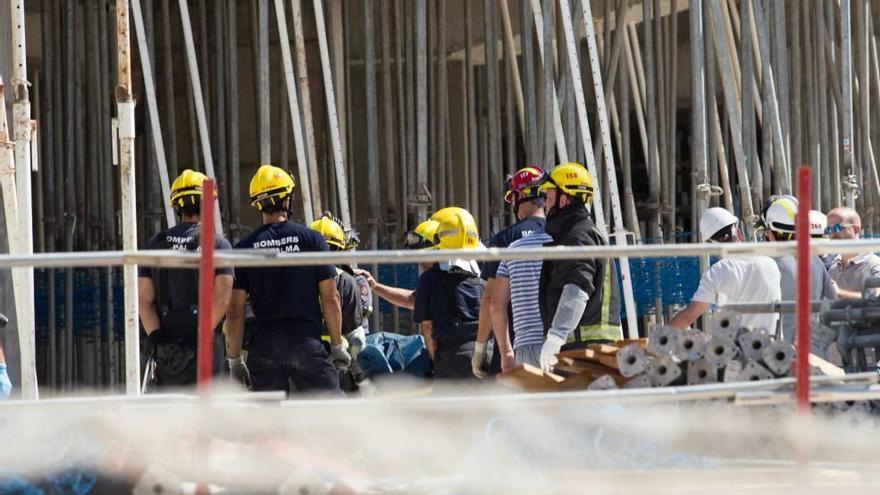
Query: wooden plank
[590,355]
[528,378]
[570,365]
[643,343]
[824,366]
[604,348]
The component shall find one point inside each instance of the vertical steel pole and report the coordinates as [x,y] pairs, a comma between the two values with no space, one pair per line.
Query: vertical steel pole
[561,149]
[516,82]
[232,118]
[530,136]
[492,103]
[10,210]
[747,109]
[864,26]
[68,21]
[780,60]
[389,158]
[421,88]
[819,127]
[264,106]
[109,210]
[730,98]
[699,159]
[403,115]
[774,119]
[306,104]
[652,158]
[167,78]
[372,125]
[583,119]
[48,171]
[473,143]
[199,102]
[218,73]
[850,165]
[21,125]
[619,230]
[293,102]
[125,111]
[796,54]
[333,122]
[153,109]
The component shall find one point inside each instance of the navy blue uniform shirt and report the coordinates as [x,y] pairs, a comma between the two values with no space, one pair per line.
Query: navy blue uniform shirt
[447,299]
[285,297]
[505,238]
[178,288]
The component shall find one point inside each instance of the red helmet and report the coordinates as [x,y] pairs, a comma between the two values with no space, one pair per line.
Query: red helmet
[526,180]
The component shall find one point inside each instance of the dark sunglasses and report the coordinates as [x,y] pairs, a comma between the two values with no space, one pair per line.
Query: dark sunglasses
[837,228]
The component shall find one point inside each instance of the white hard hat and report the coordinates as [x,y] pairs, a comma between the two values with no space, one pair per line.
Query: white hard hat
[818,223]
[780,215]
[713,220]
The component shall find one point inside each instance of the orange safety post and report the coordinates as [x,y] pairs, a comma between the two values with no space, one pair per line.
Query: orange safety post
[206,289]
[805,200]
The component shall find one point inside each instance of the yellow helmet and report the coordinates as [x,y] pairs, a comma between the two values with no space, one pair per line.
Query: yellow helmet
[422,237]
[457,230]
[332,231]
[187,187]
[447,212]
[572,179]
[269,186]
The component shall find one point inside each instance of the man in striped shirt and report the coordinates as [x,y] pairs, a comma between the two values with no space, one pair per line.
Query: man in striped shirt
[517,281]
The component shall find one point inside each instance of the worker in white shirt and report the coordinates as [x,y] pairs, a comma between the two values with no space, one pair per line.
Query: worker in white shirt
[734,279]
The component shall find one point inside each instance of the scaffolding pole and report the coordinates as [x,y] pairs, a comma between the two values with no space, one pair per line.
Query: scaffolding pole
[150,89]
[561,148]
[611,171]
[850,183]
[293,102]
[23,133]
[728,84]
[333,120]
[10,208]
[305,95]
[125,116]
[199,103]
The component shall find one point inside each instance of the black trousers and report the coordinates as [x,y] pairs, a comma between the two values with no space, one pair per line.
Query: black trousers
[276,358]
[452,358]
[177,366]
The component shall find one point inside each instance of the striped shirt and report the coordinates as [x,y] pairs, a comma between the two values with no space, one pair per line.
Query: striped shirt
[525,277]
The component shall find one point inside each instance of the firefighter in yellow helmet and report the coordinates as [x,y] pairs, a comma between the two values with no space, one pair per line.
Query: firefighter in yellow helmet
[420,238]
[579,299]
[447,299]
[168,298]
[291,304]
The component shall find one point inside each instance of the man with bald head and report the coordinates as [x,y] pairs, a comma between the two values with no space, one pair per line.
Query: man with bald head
[849,270]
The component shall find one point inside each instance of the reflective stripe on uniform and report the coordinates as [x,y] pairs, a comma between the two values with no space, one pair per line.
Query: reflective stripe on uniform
[603,330]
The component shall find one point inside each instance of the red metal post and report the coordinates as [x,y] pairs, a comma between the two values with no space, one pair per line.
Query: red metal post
[206,288]
[805,200]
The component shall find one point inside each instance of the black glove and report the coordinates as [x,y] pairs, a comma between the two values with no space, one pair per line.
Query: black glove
[157,338]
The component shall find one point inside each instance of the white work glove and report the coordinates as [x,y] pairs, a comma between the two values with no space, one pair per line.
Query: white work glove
[238,372]
[480,360]
[549,351]
[340,356]
[357,337]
